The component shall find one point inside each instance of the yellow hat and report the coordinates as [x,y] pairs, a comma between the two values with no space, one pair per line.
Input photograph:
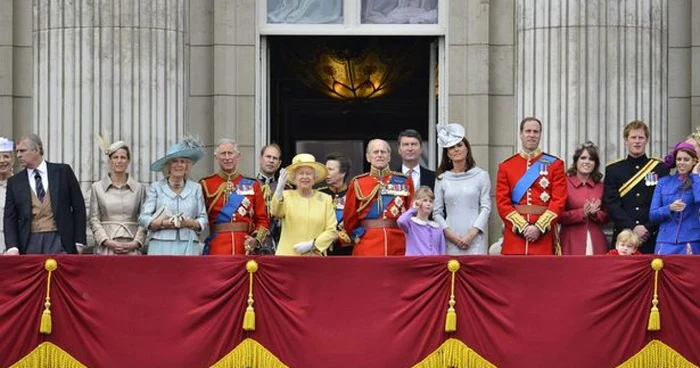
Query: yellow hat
[307,160]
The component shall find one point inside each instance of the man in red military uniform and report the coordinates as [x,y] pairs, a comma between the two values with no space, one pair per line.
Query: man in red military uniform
[235,205]
[530,195]
[373,202]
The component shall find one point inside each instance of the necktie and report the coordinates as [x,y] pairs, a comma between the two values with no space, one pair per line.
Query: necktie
[40,192]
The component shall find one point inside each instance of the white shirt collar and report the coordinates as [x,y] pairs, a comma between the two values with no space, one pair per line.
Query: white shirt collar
[42,168]
[416,170]
[421,222]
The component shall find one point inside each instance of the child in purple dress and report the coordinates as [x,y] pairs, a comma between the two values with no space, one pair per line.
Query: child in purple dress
[423,236]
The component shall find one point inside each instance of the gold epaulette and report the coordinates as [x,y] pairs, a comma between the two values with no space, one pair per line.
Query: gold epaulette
[510,158]
[614,162]
[360,176]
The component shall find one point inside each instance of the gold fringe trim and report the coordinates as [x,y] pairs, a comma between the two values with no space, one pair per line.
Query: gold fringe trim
[658,355]
[249,317]
[655,315]
[249,354]
[454,354]
[46,325]
[48,355]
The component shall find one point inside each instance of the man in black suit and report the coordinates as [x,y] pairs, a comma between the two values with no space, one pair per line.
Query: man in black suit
[45,208]
[410,145]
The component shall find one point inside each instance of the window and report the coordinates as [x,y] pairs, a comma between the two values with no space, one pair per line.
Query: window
[352,17]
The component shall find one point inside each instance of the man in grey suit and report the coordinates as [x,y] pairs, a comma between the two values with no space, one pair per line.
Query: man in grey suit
[45,208]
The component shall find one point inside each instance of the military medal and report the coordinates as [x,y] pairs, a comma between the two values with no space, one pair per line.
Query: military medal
[398,201]
[544,183]
[544,197]
[245,202]
[651,179]
[242,211]
[543,168]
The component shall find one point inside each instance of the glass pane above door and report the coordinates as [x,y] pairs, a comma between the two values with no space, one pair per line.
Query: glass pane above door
[399,11]
[305,11]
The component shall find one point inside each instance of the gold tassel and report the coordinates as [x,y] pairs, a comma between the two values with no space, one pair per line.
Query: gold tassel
[45,327]
[249,317]
[451,318]
[654,316]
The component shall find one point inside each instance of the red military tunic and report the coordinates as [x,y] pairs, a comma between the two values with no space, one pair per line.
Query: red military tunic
[250,212]
[542,204]
[373,203]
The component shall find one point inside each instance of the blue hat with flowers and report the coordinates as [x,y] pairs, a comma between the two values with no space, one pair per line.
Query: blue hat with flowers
[189,148]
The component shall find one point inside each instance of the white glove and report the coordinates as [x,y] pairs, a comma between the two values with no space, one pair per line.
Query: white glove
[304,247]
[280,184]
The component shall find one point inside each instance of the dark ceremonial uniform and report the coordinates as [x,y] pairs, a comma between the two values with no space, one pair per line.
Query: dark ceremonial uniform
[629,188]
[342,246]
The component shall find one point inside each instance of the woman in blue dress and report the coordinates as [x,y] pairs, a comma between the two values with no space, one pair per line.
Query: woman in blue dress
[676,204]
[174,210]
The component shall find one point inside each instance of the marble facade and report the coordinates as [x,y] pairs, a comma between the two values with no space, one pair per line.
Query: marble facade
[149,70]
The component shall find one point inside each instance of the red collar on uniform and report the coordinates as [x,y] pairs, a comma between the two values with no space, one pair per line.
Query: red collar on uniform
[380,173]
[530,155]
[226,176]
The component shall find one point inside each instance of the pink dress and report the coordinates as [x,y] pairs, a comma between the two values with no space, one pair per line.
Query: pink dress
[582,235]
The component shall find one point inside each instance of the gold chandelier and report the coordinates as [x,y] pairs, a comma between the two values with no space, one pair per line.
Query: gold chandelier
[353,69]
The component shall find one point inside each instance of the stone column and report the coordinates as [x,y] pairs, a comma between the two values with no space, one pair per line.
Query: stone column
[695,64]
[586,68]
[113,67]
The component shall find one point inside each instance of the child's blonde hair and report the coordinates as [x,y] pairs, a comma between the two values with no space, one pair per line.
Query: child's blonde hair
[423,192]
[627,236]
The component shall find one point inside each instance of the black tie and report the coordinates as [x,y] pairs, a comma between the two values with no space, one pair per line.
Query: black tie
[40,192]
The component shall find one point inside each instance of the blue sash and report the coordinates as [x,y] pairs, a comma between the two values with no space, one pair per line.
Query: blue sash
[529,178]
[226,213]
[234,201]
[376,210]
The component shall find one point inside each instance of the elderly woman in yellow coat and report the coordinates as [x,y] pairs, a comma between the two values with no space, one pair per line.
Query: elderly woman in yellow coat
[307,215]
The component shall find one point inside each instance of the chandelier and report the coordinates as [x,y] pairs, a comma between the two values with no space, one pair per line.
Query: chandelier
[353,69]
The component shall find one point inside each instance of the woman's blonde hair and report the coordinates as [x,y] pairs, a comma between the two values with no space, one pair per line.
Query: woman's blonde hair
[629,237]
[423,192]
[166,167]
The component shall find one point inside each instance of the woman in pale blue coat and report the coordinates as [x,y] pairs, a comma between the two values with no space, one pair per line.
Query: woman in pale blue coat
[174,210]
[462,194]
[676,204]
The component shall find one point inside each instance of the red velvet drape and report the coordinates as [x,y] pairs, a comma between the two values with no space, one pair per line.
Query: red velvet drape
[349,312]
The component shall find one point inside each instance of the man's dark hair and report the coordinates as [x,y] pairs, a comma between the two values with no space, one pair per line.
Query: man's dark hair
[410,133]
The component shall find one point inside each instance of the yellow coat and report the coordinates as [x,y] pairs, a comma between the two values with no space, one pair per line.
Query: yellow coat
[304,219]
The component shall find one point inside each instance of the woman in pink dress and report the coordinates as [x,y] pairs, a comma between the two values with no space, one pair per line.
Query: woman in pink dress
[583,218]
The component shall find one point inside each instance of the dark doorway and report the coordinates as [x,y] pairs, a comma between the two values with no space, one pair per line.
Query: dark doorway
[309,114]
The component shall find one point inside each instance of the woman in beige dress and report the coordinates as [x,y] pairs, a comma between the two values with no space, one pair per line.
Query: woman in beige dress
[6,162]
[115,203]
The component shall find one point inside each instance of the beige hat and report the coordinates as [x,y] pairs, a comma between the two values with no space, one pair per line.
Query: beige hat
[307,160]
[6,145]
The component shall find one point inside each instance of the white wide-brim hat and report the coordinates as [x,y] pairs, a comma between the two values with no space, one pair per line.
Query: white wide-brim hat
[450,134]
[189,148]
[307,160]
